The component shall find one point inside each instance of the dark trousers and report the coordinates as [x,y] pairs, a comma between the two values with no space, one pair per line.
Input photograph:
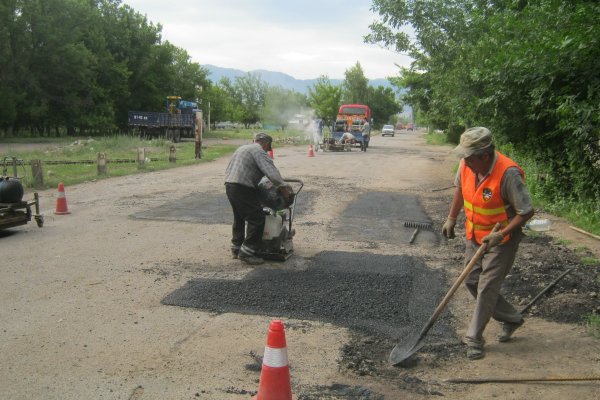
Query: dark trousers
[246,208]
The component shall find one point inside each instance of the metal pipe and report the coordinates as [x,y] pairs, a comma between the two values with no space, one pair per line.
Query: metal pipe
[515,380]
[540,294]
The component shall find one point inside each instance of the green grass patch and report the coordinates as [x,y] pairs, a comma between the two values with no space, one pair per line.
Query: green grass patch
[564,242]
[116,148]
[593,261]
[593,324]
[436,138]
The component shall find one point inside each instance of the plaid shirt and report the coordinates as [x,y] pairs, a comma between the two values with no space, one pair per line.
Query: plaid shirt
[249,164]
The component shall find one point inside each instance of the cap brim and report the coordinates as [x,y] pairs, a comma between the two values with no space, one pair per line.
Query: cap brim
[462,152]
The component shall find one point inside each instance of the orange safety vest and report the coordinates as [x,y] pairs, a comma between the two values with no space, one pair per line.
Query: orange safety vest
[484,206]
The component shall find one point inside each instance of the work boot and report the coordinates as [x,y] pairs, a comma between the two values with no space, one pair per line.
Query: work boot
[475,352]
[248,256]
[508,328]
[235,251]
[474,348]
[252,260]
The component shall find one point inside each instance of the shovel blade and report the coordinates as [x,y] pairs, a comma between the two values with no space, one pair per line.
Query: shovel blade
[402,352]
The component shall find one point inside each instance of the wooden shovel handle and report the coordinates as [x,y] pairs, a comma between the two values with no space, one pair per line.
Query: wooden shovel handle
[476,257]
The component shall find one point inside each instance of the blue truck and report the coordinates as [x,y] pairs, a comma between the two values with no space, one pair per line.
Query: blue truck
[181,119]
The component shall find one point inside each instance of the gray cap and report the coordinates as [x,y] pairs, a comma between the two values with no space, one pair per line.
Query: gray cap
[473,140]
[263,137]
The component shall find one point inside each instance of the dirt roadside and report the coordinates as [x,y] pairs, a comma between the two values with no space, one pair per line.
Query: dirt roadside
[82,317]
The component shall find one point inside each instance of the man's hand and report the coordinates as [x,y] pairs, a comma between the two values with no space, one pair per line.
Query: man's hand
[448,228]
[287,193]
[493,239]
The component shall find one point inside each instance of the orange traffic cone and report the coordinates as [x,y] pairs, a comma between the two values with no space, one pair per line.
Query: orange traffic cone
[271,153]
[275,374]
[61,201]
[311,151]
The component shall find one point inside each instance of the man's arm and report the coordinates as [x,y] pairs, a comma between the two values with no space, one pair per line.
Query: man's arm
[267,167]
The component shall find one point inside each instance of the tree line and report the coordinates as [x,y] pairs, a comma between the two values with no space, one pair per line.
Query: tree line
[74,67]
[526,69]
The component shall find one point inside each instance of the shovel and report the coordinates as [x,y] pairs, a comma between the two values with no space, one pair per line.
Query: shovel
[401,352]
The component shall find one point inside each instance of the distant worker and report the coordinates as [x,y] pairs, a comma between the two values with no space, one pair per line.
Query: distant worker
[317,129]
[491,188]
[246,168]
[347,137]
[366,134]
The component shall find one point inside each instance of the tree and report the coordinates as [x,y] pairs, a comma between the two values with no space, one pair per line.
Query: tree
[250,91]
[383,104]
[355,85]
[525,69]
[325,99]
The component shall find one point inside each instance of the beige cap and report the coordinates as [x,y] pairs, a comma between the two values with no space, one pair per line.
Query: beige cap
[473,140]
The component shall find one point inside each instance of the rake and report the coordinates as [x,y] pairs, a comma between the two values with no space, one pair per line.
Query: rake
[421,225]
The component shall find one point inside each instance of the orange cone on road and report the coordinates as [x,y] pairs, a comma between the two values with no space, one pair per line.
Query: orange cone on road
[311,151]
[275,374]
[271,153]
[61,201]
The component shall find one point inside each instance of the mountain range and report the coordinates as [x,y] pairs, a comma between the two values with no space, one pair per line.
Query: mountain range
[279,78]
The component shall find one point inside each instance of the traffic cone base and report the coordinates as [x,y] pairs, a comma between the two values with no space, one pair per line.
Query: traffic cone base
[275,381]
[61,201]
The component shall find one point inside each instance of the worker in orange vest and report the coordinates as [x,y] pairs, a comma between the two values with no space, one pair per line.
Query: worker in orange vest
[490,187]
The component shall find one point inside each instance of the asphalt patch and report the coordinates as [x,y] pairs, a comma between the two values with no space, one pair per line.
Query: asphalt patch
[211,208]
[389,295]
[381,217]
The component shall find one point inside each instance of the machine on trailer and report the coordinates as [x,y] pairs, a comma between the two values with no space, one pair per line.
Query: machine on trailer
[180,119]
[352,127]
[13,210]
[279,215]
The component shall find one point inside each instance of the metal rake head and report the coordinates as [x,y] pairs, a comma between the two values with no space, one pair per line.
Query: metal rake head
[421,225]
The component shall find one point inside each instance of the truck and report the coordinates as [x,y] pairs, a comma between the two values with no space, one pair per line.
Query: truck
[180,119]
[355,119]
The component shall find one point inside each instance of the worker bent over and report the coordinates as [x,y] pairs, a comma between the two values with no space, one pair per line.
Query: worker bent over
[246,168]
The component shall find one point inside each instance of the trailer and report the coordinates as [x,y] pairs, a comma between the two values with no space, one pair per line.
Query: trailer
[13,210]
[180,120]
[352,127]
[20,213]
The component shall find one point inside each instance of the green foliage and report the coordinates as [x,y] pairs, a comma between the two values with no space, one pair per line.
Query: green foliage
[355,86]
[383,104]
[325,99]
[77,67]
[526,70]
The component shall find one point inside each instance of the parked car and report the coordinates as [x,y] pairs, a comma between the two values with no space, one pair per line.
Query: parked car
[388,130]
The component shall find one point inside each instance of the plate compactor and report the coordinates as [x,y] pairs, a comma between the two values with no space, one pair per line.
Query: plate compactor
[279,216]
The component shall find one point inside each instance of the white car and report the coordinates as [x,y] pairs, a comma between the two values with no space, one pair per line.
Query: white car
[388,130]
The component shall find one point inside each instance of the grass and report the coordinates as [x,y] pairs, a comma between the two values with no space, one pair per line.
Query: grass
[122,147]
[115,148]
[436,138]
[593,324]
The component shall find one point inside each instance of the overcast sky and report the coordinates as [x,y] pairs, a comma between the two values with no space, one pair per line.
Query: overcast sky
[302,38]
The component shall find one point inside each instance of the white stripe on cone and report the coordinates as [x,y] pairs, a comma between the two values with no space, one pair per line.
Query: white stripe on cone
[275,358]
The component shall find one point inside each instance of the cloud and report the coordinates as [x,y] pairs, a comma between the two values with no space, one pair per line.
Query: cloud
[304,39]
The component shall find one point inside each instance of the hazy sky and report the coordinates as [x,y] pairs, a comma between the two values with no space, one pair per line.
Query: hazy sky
[302,38]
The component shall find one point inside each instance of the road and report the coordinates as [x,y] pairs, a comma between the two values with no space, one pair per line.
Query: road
[82,310]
